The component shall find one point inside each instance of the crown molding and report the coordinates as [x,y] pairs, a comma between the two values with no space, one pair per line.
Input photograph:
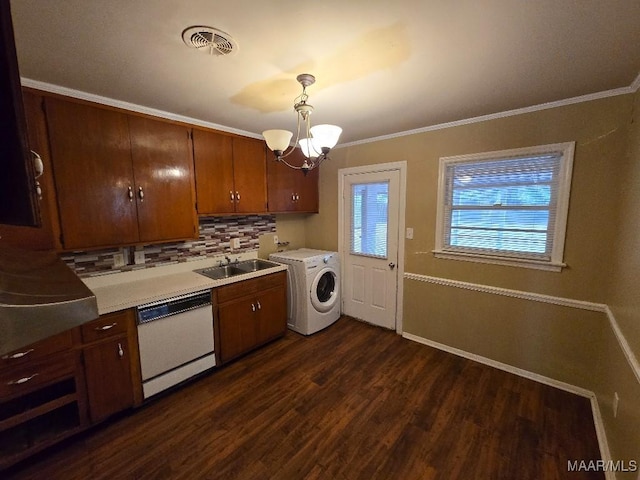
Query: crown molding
[69,92]
[508,113]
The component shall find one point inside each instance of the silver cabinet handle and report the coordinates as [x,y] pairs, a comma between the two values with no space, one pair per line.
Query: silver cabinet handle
[22,380]
[141,194]
[237,196]
[120,351]
[106,327]
[253,307]
[259,306]
[17,355]
[130,193]
[392,265]
[232,196]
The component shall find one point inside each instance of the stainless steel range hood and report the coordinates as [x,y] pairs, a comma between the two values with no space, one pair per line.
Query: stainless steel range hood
[39,297]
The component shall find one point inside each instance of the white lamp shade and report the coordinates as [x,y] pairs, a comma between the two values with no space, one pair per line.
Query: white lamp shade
[306,146]
[277,139]
[325,136]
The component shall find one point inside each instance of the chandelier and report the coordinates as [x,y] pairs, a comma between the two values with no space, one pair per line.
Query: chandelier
[316,143]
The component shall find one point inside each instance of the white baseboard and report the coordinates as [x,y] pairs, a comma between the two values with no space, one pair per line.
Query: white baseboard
[595,408]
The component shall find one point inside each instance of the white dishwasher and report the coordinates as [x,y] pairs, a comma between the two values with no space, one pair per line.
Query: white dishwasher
[175,337]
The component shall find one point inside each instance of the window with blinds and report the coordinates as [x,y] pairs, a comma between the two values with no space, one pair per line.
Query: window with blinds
[508,206]
[369,218]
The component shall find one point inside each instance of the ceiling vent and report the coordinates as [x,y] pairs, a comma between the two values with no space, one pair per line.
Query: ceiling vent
[211,40]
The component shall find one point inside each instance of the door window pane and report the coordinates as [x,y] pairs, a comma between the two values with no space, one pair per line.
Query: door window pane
[370,215]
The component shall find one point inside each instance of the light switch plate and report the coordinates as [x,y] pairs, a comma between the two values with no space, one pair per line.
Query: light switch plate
[235,243]
[275,240]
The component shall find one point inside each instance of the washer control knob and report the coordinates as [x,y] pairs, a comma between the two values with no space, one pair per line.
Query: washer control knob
[326,259]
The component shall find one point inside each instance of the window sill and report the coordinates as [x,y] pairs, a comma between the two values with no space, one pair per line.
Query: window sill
[495,260]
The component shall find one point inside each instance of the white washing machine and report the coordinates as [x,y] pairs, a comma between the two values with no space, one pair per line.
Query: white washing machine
[313,288]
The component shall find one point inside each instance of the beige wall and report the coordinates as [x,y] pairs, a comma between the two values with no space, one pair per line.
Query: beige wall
[572,345]
[624,300]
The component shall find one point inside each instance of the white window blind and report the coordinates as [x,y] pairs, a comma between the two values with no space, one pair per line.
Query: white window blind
[510,204]
[369,218]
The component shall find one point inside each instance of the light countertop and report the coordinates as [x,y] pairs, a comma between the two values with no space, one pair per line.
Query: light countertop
[124,290]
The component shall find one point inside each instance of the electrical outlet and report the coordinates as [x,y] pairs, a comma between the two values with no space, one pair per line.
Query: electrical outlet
[138,257]
[616,400]
[275,239]
[118,260]
[409,234]
[235,243]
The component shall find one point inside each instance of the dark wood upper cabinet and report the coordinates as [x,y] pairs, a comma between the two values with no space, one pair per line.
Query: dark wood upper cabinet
[290,190]
[120,179]
[163,176]
[18,198]
[230,174]
[91,155]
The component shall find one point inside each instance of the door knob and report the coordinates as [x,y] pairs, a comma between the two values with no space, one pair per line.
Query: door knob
[392,265]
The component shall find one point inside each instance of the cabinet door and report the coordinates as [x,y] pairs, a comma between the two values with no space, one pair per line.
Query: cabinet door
[250,175]
[108,376]
[18,204]
[213,158]
[238,332]
[91,157]
[163,179]
[272,318]
[46,236]
[307,192]
[290,190]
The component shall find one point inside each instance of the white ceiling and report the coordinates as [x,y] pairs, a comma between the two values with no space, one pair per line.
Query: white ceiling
[381,66]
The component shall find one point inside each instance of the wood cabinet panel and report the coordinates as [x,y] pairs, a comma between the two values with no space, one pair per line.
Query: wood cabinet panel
[272,318]
[114,324]
[230,174]
[250,175]
[46,236]
[112,365]
[18,381]
[56,343]
[108,376]
[238,333]
[213,154]
[249,314]
[163,179]
[91,157]
[18,200]
[290,190]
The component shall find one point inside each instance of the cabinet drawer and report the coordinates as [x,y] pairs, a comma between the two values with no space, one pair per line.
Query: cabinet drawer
[35,351]
[106,326]
[249,287]
[17,381]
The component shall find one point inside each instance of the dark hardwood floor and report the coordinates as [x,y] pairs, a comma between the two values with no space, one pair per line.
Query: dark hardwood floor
[351,402]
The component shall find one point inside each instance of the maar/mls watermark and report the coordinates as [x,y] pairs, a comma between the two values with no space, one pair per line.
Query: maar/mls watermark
[602,466]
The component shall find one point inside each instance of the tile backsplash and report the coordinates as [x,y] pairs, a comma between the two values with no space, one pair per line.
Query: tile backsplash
[216,234]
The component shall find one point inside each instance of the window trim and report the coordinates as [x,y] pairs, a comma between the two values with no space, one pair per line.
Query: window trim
[555,263]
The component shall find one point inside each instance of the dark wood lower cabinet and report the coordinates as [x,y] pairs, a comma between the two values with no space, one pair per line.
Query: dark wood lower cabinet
[71,381]
[108,373]
[42,397]
[249,314]
[66,383]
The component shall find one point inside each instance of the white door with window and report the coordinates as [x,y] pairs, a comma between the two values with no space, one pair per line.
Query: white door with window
[370,244]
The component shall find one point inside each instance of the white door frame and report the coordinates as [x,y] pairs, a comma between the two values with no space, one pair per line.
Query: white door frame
[342,248]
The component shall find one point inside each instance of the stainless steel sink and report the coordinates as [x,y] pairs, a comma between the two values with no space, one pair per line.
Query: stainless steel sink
[255,265]
[218,273]
[226,271]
